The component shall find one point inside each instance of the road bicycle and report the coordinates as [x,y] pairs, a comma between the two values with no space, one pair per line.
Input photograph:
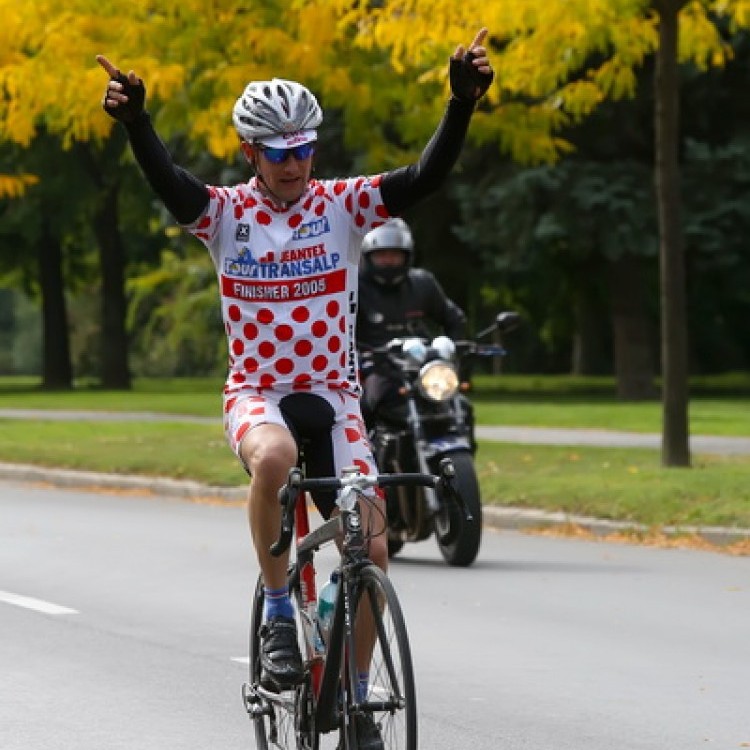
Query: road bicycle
[325,702]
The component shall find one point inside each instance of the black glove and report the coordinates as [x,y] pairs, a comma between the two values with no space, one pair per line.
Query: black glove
[468,83]
[130,110]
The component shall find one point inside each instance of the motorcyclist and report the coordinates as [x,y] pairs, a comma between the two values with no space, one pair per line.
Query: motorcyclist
[397,300]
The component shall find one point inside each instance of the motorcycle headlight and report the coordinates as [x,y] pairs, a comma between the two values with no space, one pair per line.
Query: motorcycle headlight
[438,381]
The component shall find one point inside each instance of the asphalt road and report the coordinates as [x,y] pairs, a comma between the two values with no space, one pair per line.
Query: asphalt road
[550,644]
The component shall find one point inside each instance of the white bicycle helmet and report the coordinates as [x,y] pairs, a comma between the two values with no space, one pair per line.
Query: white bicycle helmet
[276,107]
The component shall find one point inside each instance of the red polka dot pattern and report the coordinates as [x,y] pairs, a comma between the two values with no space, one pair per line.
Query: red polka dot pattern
[300,314]
[284,332]
[352,435]
[287,281]
[303,348]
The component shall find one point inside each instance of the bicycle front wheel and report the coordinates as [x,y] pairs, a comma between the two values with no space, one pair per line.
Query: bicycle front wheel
[390,701]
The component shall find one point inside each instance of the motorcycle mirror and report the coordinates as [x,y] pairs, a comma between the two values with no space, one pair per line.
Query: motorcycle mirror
[415,350]
[507,321]
[444,347]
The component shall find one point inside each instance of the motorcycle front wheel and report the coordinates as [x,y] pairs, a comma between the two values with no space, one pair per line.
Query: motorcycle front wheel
[459,539]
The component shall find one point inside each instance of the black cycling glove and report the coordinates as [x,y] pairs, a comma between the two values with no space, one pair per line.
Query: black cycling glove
[468,83]
[130,110]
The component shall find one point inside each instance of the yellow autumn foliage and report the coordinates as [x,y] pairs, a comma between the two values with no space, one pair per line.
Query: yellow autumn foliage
[382,64]
[14,186]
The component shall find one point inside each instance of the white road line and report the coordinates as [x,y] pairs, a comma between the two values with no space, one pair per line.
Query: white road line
[241,659]
[38,604]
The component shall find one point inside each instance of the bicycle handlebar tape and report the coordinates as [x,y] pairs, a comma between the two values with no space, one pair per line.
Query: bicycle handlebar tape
[421,480]
[321,483]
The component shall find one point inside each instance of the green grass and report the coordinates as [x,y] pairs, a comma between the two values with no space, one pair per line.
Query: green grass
[537,401]
[618,484]
[729,417]
[566,386]
[195,396]
[621,484]
[168,449]
[718,406]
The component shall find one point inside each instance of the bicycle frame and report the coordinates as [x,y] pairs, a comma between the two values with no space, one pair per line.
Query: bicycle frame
[324,671]
[305,571]
[317,704]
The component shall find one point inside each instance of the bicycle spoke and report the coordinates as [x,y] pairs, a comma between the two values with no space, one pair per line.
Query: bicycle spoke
[388,675]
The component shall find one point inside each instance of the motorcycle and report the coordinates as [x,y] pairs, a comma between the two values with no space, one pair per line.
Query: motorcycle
[432,421]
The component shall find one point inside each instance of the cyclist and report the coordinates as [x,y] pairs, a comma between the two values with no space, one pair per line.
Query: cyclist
[286,250]
[396,300]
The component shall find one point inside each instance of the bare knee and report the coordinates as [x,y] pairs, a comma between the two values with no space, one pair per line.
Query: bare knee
[269,452]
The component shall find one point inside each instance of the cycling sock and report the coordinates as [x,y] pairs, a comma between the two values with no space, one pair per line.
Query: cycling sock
[363,681]
[276,603]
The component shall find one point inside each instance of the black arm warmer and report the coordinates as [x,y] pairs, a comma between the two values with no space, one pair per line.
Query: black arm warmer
[184,195]
[405,186]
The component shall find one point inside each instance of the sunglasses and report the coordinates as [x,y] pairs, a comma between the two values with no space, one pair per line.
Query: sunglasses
[280,155]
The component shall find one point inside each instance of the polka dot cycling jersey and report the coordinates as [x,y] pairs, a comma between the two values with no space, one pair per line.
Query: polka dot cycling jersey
[288,281]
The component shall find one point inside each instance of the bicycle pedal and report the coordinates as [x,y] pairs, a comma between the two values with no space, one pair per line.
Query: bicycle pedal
[255,706]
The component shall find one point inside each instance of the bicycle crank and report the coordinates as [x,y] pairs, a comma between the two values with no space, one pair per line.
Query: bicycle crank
[255,705]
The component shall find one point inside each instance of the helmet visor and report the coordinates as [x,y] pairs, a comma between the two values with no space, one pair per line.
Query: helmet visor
[289,140]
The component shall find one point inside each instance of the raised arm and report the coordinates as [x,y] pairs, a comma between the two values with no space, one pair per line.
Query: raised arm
[470,76]
[183,194]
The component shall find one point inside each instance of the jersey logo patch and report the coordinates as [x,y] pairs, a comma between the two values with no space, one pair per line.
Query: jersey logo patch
[312,229]
[243,233]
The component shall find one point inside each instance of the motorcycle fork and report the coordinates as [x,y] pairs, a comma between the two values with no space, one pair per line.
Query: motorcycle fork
[420,442]
[458,414]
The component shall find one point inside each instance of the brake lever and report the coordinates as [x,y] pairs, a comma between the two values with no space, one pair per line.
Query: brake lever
[288,496]
[447,485]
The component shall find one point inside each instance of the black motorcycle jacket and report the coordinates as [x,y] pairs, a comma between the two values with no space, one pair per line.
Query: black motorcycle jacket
[417,306]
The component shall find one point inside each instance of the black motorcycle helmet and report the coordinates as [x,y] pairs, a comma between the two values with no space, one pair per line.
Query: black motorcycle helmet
[393,235]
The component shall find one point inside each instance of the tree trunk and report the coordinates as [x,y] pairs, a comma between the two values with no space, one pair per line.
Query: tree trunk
[115,371]
[633,355]
[7,330]
[675,441]
[587,340]
[57,372]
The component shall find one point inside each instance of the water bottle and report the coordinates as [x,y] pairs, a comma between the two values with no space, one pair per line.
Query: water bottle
[326,602]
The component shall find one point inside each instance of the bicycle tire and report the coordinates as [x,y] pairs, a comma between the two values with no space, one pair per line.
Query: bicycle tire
[391,681]
[281,727]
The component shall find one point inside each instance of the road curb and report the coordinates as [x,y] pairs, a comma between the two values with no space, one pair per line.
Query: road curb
[530,519]
[500,518]
[162,486]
